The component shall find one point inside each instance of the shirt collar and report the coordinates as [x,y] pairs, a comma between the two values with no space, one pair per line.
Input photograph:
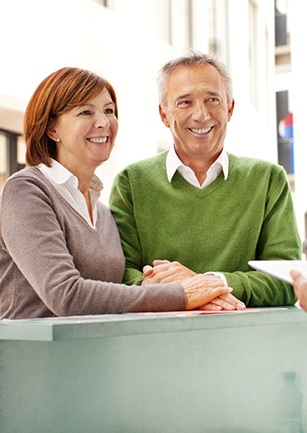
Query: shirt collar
[173,163]
[60,175]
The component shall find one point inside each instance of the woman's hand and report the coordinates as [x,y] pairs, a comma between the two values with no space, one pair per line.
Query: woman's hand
[224,302]
[199,291]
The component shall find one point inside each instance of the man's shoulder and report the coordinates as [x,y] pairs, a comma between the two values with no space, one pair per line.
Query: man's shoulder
[249,163]
[151,161]
[149,164]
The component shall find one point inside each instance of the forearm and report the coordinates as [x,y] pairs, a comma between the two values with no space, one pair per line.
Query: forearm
[257,289]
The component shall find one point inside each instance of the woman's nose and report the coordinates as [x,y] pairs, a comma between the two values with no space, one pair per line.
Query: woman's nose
[102,121]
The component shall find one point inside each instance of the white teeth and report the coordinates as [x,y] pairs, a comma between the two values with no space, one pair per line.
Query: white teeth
[98,140]
[200,131]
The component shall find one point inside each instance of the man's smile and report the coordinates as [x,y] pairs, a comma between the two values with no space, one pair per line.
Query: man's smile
[201,131]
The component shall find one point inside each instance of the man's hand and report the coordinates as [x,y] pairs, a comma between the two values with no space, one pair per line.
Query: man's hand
[164,271]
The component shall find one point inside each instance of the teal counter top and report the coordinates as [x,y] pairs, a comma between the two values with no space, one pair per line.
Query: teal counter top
[176,372]
[112,325]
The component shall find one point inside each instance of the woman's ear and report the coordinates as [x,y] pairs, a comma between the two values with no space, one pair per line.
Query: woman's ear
[51,130]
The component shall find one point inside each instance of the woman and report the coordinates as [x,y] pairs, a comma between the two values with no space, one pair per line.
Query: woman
[60,250]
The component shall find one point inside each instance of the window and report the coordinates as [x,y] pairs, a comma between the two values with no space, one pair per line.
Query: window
[218,28]
[12,151]
[174,22]
[281,31]
[253,52]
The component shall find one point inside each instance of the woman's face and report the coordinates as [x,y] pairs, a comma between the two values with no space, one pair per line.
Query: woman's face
[85,135]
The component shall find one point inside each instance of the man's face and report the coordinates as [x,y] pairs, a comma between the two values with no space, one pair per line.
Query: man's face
[197,112]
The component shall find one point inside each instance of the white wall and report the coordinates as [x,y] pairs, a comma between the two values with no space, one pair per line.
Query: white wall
[121,44]
[49,35]
[252,131]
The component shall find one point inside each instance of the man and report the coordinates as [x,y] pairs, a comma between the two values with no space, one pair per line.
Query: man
[197,208]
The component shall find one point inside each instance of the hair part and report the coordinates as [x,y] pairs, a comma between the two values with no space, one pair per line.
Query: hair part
[58,93]
[193,58]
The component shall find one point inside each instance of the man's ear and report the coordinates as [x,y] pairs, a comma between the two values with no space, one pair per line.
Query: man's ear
[163,116]
[230,109]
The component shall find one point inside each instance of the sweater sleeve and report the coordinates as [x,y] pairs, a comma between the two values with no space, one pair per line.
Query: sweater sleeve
[121,206]
[32,236]
[278,240]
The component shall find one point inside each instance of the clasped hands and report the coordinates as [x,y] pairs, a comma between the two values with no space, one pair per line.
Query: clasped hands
[205,292]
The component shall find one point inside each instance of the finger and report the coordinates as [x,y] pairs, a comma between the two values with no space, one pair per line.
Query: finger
[156,278]
[147,270]
[210,307]
[223,304]
[233,301]
[295,275]
[218,291]
[160,262]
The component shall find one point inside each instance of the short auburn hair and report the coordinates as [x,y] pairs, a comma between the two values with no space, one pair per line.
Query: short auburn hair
[59,92]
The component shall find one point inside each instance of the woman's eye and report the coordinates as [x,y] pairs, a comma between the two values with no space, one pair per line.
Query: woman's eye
[109,111]
[85,113]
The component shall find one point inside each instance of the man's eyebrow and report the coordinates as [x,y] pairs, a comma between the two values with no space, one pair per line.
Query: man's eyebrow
[214,93]
[186,95]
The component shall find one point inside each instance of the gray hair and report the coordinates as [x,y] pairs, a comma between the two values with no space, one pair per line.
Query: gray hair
[193,58]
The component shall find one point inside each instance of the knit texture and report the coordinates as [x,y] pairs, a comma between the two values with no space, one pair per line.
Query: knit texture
[249,216]
[53,263]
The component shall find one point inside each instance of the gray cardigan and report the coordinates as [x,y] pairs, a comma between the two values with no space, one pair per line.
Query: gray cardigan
[52,263]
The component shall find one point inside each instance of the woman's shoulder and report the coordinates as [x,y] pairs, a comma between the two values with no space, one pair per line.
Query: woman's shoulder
[27,172]
[26,180]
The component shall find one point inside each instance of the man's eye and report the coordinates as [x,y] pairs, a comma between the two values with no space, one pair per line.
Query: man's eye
[213,101]
[183,103]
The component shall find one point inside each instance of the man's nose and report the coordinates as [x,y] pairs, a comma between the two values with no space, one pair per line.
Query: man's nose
[201,112]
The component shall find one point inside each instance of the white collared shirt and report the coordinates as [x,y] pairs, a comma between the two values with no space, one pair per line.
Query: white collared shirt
[66,184]
[173,163]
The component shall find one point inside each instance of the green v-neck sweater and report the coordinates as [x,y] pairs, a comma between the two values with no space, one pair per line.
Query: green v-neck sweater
[249,216]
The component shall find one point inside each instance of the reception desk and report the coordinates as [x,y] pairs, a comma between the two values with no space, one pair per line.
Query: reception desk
[155,373]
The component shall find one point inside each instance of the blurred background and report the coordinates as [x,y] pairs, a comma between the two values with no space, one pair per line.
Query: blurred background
[127,41]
